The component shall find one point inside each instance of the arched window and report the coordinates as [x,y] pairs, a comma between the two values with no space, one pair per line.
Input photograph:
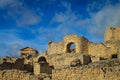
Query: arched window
[70,47]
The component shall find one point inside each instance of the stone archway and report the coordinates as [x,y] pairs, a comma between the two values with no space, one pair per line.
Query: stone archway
[42,59]
[72,40]
[71,47]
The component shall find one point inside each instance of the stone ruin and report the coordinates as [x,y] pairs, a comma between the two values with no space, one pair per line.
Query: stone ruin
[28,51]
[69,59]
[83,45]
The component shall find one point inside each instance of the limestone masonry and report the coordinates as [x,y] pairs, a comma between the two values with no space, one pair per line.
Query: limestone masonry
[73,58]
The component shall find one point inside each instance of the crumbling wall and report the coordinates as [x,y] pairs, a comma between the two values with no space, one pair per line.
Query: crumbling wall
[81,45]
[8,63]
[112,40]
[112,34]
[99,50]
[115,47]
[21,75]
[8,59]
[86,74]
[55,47]
[16,75]
[18,64]
[96,71]
[84,45]
[42,68]
[64,60]
[28,51]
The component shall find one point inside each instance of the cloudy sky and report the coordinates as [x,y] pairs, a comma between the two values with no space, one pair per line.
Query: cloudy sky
[36,22]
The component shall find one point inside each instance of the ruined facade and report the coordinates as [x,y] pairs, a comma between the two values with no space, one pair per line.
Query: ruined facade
[64,46]
[28,51]
[83,45]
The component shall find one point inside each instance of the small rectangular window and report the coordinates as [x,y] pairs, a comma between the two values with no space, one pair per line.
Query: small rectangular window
[114,56]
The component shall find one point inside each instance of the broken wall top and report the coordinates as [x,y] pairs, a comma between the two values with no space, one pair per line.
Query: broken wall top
[112,34]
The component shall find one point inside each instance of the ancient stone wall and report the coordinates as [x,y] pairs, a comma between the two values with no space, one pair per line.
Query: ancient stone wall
[42,68]
[21,75]
[86,74]
[63,60]
[99,50]
[28,51]
[84,45]
[36,69]
[115,47]
[45,68]
[16,75]
[55,47]
[8,63]
[18,64]
[94,71]
[8,59]
[112,34]
[81,45]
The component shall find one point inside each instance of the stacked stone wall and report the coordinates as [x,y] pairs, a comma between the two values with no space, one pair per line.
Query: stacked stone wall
[95,71]
[112,34]
[16,75]
[115,47]
[81,45]
[21,75]
[63,60]
[72,39]
[18,64]
[84,45]
[55,47]
[99,50]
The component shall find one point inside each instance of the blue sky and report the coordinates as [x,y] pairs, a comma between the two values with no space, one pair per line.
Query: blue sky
[36,22]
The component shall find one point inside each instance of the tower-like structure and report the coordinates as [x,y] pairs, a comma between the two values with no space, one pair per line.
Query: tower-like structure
[112,34]
[112,40]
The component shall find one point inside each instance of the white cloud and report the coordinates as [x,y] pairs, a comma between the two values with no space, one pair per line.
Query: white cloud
[96,24]
[5,3]
[67,6]
[67,20]
[19,12]
[11,44]
[107,16]
[62,17]
[28,18]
